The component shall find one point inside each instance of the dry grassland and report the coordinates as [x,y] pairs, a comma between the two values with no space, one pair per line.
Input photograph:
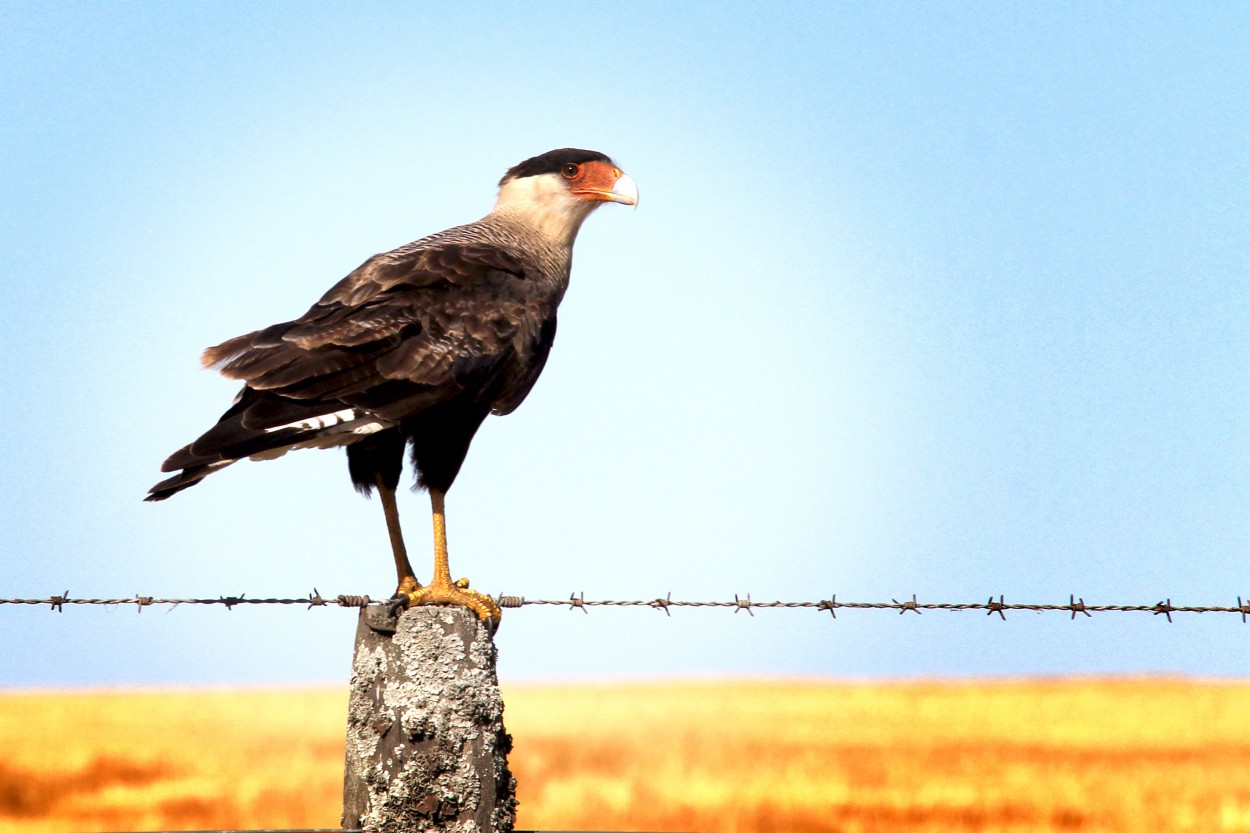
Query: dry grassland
[732,756]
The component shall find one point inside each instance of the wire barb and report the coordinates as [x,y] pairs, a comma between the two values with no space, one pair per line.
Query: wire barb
[231,601]
[913,605]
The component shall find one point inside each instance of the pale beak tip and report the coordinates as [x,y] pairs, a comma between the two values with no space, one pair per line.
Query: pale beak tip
[625,191]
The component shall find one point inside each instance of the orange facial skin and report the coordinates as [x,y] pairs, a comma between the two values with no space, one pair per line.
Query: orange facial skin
[600,181]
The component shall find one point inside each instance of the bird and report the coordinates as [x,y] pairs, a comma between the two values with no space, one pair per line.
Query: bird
[412,351]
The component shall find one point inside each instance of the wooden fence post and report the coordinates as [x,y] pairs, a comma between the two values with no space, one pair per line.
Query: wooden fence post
[426,746]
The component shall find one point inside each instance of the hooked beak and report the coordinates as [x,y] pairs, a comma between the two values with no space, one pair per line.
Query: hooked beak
[625,191]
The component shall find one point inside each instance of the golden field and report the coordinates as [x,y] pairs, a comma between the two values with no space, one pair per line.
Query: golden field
[1088,755]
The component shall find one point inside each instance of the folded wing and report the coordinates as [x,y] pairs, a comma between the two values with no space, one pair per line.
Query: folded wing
[429,323]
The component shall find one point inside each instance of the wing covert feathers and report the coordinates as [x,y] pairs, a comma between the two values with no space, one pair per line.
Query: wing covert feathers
[452,317]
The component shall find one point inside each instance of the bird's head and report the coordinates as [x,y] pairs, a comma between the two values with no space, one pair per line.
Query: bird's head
[556,191]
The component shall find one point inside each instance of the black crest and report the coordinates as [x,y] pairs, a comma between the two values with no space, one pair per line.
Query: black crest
[552,161]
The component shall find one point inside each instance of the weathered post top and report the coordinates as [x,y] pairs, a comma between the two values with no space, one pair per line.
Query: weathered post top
[426,746]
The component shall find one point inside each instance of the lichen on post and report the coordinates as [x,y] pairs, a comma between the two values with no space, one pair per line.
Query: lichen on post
[426,746]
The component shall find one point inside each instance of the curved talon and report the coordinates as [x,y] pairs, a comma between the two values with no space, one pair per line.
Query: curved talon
[402,600]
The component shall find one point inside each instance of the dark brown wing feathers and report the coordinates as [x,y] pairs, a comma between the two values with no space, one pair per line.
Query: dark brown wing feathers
[410,317]
[403,333]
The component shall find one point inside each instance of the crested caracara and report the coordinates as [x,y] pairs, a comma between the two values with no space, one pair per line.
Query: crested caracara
[414,349]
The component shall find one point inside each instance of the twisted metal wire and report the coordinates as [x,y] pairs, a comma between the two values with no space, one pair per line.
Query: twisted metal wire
[578,601]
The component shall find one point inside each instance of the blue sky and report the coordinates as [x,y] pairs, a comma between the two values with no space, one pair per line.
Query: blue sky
[946,299]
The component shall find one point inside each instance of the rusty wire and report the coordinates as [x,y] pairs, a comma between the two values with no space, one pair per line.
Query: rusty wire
[578,601]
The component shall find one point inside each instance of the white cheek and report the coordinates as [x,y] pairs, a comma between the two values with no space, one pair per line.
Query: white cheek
[545,204]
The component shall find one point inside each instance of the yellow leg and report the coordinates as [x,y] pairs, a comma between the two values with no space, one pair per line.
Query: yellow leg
[442,570]
[442,590]
[407,582]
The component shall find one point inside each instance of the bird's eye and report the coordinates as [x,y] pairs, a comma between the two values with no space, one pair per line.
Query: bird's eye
[570,171]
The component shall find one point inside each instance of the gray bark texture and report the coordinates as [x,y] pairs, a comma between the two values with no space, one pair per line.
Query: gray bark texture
[426,746]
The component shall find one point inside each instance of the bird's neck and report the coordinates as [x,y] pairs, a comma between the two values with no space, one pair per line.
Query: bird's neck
[543,206]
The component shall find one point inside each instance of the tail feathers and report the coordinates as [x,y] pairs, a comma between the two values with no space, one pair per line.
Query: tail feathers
[232,444]
[193,466]
[184,479]
[262,427]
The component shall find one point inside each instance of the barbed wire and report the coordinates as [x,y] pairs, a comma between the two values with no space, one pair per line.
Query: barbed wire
[578,601]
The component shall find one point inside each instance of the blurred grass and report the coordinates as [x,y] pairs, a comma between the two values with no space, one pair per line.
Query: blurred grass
[1093,755]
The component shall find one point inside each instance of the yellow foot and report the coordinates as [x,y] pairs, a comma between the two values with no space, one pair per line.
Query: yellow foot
[438,593]
[407,585]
